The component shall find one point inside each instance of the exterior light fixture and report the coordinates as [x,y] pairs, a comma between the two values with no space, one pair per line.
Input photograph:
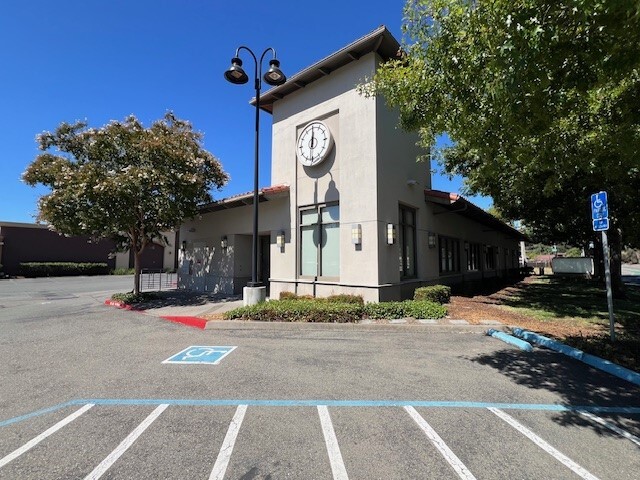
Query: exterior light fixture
[391,234]
[356,234]
[236,74]
[255,291]
[280,240]
[431,239]
[184,245]
[274,76]
[224,243]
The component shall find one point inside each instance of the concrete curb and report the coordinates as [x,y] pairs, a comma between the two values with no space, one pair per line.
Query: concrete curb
[592,360]
[122,305]
[511,340]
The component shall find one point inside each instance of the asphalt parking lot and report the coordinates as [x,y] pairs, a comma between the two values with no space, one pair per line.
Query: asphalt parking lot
[85,394]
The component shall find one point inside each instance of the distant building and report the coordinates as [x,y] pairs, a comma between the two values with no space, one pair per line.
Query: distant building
[30,242]
[349,210]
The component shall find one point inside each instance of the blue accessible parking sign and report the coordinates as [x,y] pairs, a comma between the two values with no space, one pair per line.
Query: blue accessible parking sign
[600,211]
[199,355]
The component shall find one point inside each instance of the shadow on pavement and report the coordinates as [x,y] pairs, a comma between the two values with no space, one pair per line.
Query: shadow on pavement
[576,383]
[182,298]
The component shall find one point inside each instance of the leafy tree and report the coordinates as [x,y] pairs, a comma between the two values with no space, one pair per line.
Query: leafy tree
[541,99]
[123,181]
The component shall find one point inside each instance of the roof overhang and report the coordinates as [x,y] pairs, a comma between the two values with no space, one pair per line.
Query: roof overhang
[454,203]
[243,199]
[379,41]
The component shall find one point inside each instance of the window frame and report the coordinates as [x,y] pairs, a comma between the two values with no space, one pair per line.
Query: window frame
[474,253]
[450,244]
[318,228]
[407,231]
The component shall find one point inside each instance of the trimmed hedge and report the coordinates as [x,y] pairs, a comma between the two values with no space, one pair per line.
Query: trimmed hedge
[339,298]
[298,310]
[62,269]
[130,298]
[408,308]
[325,311]
[434,293]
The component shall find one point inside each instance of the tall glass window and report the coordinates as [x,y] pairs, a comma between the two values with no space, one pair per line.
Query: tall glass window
[407,242]
[320,241]
[449,255]
[473,257]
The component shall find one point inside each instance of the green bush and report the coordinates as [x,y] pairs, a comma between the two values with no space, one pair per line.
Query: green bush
[62,269]
[424,309]
[385,310]
[298,310]
[434,293]
[123,271]
[408,308]
[130,298]
[345,298]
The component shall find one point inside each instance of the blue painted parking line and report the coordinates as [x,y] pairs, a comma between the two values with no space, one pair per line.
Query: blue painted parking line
[201,355]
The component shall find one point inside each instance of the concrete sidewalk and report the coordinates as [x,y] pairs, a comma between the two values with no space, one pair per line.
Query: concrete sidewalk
[180,303]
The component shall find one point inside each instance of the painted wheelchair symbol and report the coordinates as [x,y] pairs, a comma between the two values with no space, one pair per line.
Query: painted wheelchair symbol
[197,354]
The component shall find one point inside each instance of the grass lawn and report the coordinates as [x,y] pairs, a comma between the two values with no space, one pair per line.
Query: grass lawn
[571,310]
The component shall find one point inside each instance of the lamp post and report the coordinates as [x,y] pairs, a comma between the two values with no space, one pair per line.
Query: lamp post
[255,292]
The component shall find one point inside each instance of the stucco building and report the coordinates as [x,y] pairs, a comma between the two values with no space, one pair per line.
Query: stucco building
[349,209]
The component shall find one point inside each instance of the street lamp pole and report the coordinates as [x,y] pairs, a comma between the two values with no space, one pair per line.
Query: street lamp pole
[274,76]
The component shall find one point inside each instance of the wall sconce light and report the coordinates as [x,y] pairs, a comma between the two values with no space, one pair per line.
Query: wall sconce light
[391,234]
[224,243]
[184,245]
[356,234]
[431,239]
[280,240]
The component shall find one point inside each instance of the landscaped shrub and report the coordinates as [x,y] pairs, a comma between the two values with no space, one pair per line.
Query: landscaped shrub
[62,269]
[408,308]
[385,310]
[424,309]
[295,296]
[434,293]
[298,310]
[130,298]
[123,271]
[345,298]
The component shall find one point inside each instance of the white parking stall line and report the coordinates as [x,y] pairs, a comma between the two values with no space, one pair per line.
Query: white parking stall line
[220,467]
[333,449]
[125,444]
[611,426]
[562,458]
[32,443]
[462,471]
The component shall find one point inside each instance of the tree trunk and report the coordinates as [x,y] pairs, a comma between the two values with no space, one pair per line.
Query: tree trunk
[136,267]
[615,249]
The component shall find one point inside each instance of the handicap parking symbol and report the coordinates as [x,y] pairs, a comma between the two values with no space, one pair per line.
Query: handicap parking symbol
[198,355]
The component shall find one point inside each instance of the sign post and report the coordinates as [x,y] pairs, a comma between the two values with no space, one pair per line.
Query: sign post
[600,219]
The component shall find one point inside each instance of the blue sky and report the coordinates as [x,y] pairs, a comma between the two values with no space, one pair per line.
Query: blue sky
[99,61]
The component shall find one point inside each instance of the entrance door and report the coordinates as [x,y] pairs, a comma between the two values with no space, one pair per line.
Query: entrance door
[264,262]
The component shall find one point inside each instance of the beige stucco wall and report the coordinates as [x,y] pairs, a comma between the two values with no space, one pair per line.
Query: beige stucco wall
[206,266]
[348,175]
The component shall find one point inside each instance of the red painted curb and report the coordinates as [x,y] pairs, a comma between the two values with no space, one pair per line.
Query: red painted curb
[119,304]
[190,321]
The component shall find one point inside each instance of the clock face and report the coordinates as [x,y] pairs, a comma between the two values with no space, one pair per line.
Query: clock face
[314,144]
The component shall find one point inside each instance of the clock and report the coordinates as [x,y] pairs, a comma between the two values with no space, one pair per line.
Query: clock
[314,144]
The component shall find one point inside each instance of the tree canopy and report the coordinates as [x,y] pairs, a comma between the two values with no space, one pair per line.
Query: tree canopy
[541,99]
[123,181]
